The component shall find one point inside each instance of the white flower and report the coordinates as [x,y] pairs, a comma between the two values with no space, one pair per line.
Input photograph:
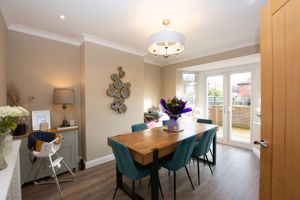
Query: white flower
[13,111]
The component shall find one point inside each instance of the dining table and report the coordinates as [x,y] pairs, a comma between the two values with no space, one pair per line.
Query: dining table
[148,146]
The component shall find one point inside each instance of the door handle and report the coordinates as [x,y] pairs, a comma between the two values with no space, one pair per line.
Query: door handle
[263,143]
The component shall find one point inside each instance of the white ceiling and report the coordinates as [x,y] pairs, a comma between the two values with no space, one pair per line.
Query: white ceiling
[210,26]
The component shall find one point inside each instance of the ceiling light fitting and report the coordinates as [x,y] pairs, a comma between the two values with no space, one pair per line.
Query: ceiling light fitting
[62,17]
[166,43]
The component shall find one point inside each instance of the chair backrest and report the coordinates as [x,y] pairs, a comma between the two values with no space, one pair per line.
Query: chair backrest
[41,136]
[203,145]
[124,160]
[165,122]
[139,127]
[204,121]
[183,153]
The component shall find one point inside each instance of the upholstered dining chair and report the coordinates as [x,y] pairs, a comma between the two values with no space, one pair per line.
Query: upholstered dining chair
[165,122]
[180,159]
[139,127]
[128,167]
[202,147]
[206,121]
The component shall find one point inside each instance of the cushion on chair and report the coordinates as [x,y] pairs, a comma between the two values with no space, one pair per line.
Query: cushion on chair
[40,136]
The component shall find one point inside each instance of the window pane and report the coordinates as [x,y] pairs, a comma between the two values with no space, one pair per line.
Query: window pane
[189,77]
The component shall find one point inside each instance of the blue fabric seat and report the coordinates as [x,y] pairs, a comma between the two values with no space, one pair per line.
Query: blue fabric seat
[202,147]
[180,158]
[127,166]
[139,127]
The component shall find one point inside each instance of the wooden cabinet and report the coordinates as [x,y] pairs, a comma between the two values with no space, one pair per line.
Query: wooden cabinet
[280,51]
[68,150]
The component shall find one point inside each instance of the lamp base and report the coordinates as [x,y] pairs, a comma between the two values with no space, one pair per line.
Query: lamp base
[65,123]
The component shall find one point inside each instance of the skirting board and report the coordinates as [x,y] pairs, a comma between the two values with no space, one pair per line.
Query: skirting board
[256,152]
[99,161]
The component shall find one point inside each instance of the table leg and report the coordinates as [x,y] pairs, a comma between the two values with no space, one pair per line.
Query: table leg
[125,188]
[214,157]
[154,176]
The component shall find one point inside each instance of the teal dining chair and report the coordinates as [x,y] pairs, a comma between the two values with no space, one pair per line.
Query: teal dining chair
[128,167]
[165,122]
[202,147]
[180,159]
[206,121]
[139,127]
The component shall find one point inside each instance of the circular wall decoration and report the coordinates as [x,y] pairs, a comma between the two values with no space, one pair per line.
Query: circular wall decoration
[119,91]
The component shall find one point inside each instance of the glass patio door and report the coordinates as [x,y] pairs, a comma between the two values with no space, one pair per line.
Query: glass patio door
[215,102]
[228,104]
[240,107]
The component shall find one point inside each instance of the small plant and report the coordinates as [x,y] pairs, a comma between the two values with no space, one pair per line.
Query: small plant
[9,117]
[174,107]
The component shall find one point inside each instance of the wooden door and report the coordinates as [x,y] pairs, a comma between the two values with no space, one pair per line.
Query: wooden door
[266,47]
[280,49]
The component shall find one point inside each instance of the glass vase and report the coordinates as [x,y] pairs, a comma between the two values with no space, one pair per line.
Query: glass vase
[175,124]
[3,163]
[7,148]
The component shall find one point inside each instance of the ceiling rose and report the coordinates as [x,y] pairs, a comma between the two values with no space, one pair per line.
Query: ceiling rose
[166,43]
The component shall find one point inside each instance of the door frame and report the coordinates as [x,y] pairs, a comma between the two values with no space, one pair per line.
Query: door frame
[226,72]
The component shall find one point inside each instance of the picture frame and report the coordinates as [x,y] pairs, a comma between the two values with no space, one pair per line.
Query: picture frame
[38,117]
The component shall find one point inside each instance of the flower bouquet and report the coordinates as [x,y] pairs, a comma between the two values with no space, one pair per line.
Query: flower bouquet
[174,108]
[8,122]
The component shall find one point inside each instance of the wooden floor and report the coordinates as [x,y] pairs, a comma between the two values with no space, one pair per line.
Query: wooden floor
[235,178]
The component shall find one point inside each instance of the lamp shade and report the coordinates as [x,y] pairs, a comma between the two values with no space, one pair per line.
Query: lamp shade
[63,96]
[166,43]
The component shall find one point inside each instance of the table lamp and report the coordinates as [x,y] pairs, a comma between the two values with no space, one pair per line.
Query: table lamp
[64,97]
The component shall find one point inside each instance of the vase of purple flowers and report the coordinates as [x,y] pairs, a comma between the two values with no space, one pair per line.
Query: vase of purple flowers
[174,108]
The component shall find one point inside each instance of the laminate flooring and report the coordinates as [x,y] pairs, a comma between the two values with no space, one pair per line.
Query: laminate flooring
[236,177]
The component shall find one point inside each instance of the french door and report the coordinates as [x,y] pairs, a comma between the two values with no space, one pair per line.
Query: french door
[229,97]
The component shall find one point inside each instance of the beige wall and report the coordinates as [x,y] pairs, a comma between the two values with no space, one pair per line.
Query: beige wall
[153,85]
[100,121]
[170,73]
[3,60]
[36,66]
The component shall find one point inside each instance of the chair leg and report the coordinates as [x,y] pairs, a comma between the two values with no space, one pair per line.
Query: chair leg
[56,179]
[68,168]
[158,185]
[189,176]
[162,196]
[209,165]
[140,181]
[168,172]
[133,190]
[115,192]
[211,152]
[198,171]
[174,185]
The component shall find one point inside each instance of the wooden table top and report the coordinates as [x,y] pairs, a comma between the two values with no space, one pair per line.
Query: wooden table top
[142,143]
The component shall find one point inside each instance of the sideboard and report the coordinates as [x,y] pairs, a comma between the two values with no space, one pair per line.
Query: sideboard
[68,150]
[10,186]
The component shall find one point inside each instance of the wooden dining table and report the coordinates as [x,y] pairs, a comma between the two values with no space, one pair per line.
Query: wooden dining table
[148,146]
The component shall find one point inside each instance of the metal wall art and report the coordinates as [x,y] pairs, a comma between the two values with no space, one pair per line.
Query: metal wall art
[119,91]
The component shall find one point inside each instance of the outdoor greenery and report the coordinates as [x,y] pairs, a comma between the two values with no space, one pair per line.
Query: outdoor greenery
[214,92]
